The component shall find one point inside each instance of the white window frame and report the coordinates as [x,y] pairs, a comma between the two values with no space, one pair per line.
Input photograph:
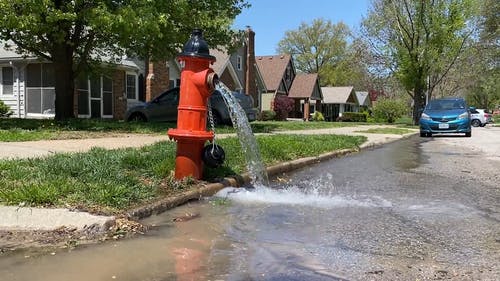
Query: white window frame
[1,81]
[239,63]
[110,92]
[41,88]
[101,98]
[136,94]
[88,100]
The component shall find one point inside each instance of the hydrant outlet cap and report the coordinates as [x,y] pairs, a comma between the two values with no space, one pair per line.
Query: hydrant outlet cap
[196,46]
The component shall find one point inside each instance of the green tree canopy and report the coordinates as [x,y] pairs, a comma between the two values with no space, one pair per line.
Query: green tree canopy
[75,34]
[418,41]
[319,47]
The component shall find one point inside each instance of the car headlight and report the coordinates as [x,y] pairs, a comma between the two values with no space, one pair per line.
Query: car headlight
[464,115]
[425,117]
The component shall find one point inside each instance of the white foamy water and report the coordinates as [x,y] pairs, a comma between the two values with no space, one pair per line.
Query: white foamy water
[298,197]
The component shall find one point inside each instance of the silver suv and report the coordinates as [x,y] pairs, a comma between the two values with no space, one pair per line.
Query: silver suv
[479,117]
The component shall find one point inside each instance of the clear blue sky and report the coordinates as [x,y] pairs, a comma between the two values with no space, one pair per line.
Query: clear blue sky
[270,19]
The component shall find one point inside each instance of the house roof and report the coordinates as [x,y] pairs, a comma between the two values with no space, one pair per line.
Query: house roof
[337,94]
[221,60]
[272,69]
[363,98]
[11,55]
[303,85]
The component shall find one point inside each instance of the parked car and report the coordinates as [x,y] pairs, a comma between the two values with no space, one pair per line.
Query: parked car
[447,115]
[164,108]
[479,117]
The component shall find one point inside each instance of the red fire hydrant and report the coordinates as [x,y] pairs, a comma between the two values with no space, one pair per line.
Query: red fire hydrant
[197,84]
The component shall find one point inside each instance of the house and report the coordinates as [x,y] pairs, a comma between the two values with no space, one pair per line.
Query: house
[27,86]
[236,69]
[278,74]
[124,85]
[307,95]
[364,100]
[337,100]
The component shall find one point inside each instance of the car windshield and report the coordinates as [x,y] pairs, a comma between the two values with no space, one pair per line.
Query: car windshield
[445,105]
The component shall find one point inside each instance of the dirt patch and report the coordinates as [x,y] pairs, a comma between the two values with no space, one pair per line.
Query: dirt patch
[65,237]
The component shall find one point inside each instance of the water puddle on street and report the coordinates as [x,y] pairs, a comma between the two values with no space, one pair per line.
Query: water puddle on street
[359,217]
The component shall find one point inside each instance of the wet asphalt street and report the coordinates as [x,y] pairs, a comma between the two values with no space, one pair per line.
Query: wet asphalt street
[416,209]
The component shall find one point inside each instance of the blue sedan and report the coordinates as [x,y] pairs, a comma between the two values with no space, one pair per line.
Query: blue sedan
[447,115]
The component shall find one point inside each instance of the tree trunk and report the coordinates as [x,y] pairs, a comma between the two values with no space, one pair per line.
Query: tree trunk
[418,102]
[64,82]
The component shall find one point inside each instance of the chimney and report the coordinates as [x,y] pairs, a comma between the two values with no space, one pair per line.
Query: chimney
[250,82]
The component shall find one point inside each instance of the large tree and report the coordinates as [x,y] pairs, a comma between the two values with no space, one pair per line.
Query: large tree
[76,34]
[319,47]
[484,87]
[418,41]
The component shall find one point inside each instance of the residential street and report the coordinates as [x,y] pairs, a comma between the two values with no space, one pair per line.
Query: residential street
[415,209]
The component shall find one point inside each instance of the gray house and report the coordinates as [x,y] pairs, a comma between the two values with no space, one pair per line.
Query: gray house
[337,100]
[27,86]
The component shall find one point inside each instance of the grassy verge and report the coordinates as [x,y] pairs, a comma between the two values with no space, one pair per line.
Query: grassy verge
[394,131]
[110,181]
[12,130]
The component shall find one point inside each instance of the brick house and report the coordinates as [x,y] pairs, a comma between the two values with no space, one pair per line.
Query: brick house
[237,70]
[27,83]
[27,86]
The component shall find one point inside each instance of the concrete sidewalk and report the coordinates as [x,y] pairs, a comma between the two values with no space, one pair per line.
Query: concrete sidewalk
[27,218]
[30,149]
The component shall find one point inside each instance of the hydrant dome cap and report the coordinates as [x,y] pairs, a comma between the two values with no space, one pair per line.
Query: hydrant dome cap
[196,46]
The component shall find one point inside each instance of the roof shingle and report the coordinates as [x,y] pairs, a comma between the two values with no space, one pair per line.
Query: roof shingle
[337,94]
[303,85]
[272,69]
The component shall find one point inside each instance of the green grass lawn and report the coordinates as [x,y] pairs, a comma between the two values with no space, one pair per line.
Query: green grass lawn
[110,181]
[12,129]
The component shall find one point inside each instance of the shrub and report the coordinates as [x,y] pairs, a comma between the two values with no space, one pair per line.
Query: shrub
[4,110]
[267,115]
[352,117]
[388,110]
[282,106]
[317,116]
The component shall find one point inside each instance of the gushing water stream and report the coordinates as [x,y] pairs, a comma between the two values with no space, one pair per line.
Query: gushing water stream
[249,144]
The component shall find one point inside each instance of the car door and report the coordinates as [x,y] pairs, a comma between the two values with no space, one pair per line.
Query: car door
[164,107]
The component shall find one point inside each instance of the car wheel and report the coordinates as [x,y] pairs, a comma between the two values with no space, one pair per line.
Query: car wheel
[429,135]
[475,123]
[423,135]
[468,134]
[138,117]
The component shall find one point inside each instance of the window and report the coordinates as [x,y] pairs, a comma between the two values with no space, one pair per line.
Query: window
[7,81]
[131,86]
[239,65]
[40,91]
[95,96]
[82,87]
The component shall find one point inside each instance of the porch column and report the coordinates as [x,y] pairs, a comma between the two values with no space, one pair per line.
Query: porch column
[306,110]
